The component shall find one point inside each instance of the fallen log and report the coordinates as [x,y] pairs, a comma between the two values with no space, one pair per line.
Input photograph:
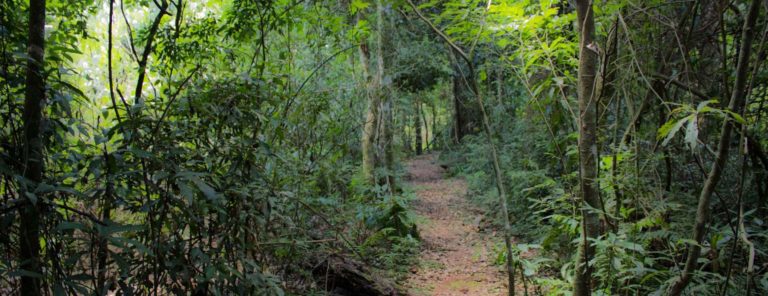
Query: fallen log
[347,277]
[449,163]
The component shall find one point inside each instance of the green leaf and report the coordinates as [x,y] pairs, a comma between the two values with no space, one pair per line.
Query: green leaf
[357,5]
[123,242]
[617,263]
[689,242]
[207,190]
[703,105]
[115,228]
[67,225]
[80,277]
[31,196]
[692,133]
[631,246]
[47,188]
[72,88]
[24,273]
[140,153]
[736,116]
[186,191]
[669,129]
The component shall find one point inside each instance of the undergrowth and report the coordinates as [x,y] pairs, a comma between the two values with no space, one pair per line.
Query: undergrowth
[642,242]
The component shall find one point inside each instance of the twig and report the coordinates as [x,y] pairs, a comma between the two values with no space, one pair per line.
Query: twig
[306,80]
[681,85]
[173,98]
[300,242]
[90,216]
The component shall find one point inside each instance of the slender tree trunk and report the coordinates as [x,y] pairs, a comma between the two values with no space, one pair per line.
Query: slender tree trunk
[499,85]
[384,136]
[456,115]
[147,50]
[34,165]
[103,248]
[378,136]
[106,211]
[434,125]
[387,127]
[587,146]
[607,90]
[389,144]
[417,128]
[736,105]
[426,126]
[404,132]
[371,118]
[467,114]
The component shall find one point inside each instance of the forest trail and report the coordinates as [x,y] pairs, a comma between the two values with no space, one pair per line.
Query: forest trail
[455,258]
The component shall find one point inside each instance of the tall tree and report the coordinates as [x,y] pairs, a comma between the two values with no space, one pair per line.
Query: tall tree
[386,123]
[377,139]
[466,114]
[371,115]
[590,201]
[142,70]
[417,128]
[423,114]
[34,101]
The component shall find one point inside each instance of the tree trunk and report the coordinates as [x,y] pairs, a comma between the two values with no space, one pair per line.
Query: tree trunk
[147,50]
[417,128]
[456,135]
[587,146]
[426,126]
[406,136]
[371,118]
[736,105]
[34,101]
[344,276]
[467,115]
[388,143]
[606,90]
[386,132]
[499,85]
[377,141]
[102,253]
[434,126]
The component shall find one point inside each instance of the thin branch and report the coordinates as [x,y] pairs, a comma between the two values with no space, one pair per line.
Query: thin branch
[90,216]
[681,84]
[130,31]
[173,99]
[442,35]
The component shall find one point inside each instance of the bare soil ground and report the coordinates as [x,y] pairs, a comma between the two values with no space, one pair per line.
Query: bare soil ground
[456,259]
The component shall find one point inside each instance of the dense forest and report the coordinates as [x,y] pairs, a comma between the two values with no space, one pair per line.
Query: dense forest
[383,147]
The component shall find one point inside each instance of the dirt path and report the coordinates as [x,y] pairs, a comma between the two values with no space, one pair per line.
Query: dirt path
[455,258]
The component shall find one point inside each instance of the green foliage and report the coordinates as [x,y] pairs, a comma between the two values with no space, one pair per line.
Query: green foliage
[231,172]
[393,238]
[648,189]
[238,160]
[690,118]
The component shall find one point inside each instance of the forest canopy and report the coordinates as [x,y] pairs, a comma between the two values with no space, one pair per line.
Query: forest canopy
[312,147]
